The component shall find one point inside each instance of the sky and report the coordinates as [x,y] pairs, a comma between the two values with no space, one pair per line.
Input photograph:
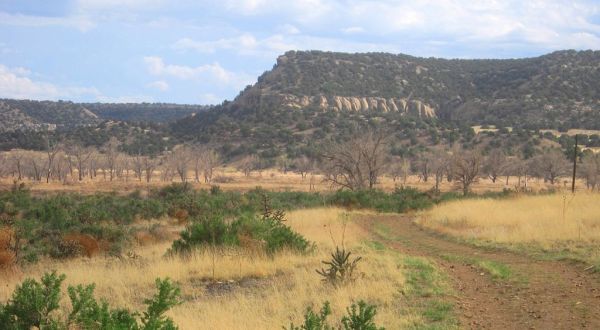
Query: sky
[204,52]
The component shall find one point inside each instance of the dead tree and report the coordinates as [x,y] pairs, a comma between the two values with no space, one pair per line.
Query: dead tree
[465,168]
[52,148]
[439,167]
[303,166]
[357,163]
[210,161]
[495,164]
[590,170]
[149,165]
[550,165]
[111,158]
[81,157]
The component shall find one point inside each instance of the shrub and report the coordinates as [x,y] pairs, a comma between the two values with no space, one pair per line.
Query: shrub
[359,316]
[33,303]
[341,268]
[216,231]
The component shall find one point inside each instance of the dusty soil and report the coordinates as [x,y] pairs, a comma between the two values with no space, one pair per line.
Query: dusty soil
[540,295]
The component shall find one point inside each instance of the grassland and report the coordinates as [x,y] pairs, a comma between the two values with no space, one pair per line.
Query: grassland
[561,225]
[234,288]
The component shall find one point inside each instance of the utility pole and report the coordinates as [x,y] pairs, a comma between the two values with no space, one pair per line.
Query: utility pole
[574,166]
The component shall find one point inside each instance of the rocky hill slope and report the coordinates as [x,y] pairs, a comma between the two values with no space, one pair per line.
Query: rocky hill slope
[554,90]
[27,115]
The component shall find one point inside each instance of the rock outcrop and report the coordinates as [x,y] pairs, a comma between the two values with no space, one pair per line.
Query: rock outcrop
[406,106]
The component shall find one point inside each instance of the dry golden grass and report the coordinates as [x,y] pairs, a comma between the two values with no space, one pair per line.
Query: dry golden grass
[256,292]
[272,180]
[543,219]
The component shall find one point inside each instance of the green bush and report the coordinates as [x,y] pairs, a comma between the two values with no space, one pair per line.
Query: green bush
[33,305]
[216,231]
[360,316]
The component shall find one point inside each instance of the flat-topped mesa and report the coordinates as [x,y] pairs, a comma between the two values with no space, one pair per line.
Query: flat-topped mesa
[406,106]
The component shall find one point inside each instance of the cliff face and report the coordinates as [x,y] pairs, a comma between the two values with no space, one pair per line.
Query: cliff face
[336,103]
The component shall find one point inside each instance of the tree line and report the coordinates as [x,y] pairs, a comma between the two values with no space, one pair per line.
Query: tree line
[355,163]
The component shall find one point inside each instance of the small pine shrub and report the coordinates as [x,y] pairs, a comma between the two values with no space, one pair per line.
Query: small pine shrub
[33,305]
[314,321]
[359,316]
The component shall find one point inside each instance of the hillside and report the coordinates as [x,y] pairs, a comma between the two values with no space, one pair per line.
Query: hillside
[27,115]
[551,91]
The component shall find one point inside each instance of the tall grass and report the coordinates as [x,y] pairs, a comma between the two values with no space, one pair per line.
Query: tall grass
[256,291]
[543,219]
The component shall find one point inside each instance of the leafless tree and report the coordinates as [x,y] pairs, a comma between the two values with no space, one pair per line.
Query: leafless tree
[210,161]
[439,167]
[36,164]
[179,160]
[137,162]
[550,165]
[16,157]
[521,168]
[81,156]
[52,148]
[422,166]
[495,164]
[111,158]
[465,167]
[590,170]
[248,164]
[303,166]
[357,163]
[150,165]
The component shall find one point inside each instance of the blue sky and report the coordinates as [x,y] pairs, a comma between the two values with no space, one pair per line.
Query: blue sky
[186,51]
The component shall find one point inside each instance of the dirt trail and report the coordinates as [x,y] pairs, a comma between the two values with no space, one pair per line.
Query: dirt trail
[552,294]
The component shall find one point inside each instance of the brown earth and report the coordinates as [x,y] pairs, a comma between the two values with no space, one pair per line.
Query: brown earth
[541,294]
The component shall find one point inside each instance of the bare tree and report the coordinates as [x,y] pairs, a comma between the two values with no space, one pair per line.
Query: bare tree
[180,160]
[150,165]
[16,157]
[495,164]
[210,160]
[439,166]
[248,164]
[303,166]
[137,161]
[36,164]
[357,163]
[550,165]
[52,148]
[422,166]
[590,170]
[465,167]
[111,158]
[81,156]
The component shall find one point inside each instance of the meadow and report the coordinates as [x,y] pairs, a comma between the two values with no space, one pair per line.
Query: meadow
[561,224]
[231,288]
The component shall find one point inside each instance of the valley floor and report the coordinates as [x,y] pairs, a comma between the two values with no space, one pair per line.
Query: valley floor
[416,278]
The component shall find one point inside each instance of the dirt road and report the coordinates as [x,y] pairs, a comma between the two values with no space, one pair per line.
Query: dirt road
[538,294]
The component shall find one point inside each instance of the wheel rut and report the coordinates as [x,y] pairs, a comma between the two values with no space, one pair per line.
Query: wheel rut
[543,294]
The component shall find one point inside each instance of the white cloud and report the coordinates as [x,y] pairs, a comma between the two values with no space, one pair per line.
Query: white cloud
[125,99]
[209,98]
[160,85]
[118,4]
[353,29]
[156,66]
[82,23]
[14,83]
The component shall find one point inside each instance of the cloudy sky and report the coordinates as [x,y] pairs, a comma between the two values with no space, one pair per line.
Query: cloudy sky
[198,51]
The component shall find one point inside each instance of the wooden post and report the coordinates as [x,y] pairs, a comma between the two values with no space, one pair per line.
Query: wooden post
[574,166]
